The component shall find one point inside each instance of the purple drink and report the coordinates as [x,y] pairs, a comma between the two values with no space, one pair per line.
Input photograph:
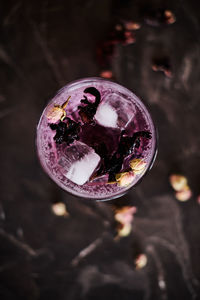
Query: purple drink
[96,139]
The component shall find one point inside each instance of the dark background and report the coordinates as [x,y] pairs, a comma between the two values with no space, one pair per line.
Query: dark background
[43,46]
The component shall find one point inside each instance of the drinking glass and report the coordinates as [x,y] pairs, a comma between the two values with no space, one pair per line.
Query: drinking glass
[96,139]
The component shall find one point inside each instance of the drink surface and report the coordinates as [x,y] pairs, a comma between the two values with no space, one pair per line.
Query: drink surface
[96,139]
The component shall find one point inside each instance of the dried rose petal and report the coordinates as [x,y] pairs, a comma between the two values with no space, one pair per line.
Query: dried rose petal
[129,38]
[184,194]
[158,17]
[170,17]
[198,199]
[141,261]
[132,25]
[106,74]
[178,182]
[125,230]
[59,209]
[125,178]
[124,217]
[137,165]
[125,214]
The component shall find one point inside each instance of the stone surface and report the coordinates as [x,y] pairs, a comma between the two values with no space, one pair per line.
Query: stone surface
[43,46]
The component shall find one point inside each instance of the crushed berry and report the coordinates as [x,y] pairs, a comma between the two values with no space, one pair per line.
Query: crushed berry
[66,131]
[88,111]
[106,74]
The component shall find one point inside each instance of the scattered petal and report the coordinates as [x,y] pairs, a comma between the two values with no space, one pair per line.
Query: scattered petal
[129,38]
[106,74]
[178,182]
[198,199]
[162,284]
[137,165]
[125,214]
[141,261]
[124,230]
[162,64]
[59,209]
[170,17]
[158,17]
[132,25]
[125,178]
[184,194]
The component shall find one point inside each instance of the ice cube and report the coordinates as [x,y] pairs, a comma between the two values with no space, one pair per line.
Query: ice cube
[115,110]
[106,116]
[78,162]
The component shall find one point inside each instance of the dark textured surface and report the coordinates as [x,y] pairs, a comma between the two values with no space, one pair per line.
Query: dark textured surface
[43,46]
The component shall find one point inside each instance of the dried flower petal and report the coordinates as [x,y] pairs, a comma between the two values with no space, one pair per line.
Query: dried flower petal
[158,17]
[162,284]
[178,182]
[170,17]
[125,230]
[162,64]
[125,178]
[198,199]
[125,214]
[137,165]
[184,194]
[132,25]
[106,74]
[141,261]
[59,209]
[129,38]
